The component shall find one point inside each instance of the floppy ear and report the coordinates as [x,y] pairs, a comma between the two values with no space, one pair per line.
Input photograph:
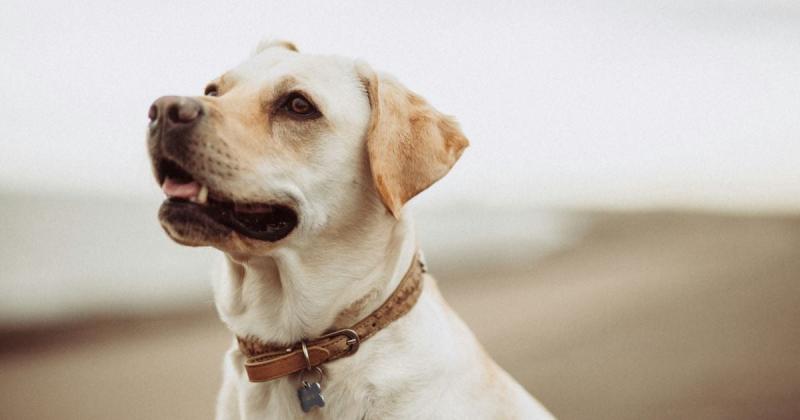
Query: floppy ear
[410,144]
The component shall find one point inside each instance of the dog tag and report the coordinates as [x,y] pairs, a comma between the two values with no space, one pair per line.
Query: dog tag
[310,395]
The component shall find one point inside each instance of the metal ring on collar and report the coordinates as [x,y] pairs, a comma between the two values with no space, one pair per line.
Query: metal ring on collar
[305,354]
[319,372]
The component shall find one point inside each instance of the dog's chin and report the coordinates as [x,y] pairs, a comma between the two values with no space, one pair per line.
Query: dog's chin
[192,224]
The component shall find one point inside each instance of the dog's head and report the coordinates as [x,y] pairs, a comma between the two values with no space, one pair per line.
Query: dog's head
[288,144]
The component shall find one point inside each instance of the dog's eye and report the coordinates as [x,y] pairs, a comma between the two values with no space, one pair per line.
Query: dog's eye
[212,90]
[299,106]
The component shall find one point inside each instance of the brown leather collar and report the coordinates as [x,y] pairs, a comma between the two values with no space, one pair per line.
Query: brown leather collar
[267,362]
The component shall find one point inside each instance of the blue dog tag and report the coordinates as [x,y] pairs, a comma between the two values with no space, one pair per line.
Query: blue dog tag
[310,395]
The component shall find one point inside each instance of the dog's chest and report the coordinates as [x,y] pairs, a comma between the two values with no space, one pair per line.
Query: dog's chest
[281,399]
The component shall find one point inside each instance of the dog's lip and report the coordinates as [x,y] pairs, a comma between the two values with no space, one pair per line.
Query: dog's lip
[270,221]
[266,222]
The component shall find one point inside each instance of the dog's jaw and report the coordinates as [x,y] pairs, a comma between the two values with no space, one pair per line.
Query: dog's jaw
[298,288]
[296,293]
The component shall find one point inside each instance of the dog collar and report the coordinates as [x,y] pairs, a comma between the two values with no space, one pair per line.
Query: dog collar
[266,362]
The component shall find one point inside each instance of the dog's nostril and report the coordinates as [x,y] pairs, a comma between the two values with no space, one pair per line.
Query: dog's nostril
[183,113]
[172,113]
[152,113]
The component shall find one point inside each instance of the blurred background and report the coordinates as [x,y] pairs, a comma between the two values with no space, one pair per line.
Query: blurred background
[629,207]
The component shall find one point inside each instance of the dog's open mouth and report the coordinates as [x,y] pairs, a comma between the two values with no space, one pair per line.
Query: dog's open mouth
[267,222]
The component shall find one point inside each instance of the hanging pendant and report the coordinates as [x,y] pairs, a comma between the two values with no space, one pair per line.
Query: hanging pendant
[310,393]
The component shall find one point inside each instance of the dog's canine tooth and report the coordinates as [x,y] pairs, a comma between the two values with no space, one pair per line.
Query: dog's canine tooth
[202,196]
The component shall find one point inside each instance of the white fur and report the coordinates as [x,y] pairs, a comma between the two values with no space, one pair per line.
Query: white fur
[347,247]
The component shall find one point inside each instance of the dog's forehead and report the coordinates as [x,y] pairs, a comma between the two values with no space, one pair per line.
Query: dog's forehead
[324,73]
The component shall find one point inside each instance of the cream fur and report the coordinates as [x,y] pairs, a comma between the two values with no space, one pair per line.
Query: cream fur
[348,248]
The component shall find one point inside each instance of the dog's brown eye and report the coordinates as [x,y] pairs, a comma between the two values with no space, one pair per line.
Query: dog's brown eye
[299,106]
[212,90]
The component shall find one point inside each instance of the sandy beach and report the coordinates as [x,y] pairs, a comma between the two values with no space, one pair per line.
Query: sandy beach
[648,315]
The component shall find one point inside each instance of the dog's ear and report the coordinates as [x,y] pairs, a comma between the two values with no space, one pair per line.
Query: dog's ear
[410,144]
[274,43]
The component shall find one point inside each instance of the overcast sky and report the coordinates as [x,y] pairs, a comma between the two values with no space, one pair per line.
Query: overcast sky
[615,103]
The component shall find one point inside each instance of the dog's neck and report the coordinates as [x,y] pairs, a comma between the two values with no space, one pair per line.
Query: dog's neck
[299,292]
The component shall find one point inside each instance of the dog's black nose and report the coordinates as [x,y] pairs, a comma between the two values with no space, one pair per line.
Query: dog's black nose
[175,111]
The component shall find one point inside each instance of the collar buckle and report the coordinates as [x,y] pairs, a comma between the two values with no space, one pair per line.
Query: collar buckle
[353,340]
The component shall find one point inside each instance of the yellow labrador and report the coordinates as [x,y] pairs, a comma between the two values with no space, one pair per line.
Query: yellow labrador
[297,167]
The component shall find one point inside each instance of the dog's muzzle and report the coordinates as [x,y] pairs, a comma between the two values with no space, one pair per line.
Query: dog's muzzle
[174,132]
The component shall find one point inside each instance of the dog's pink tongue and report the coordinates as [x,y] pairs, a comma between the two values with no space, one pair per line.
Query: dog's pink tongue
[174,189]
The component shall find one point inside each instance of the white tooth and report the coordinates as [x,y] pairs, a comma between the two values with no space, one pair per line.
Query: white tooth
[202,196]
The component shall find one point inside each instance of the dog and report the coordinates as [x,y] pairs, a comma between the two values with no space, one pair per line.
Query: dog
[297,167]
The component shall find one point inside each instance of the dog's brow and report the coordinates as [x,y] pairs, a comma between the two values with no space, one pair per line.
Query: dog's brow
[284,85]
